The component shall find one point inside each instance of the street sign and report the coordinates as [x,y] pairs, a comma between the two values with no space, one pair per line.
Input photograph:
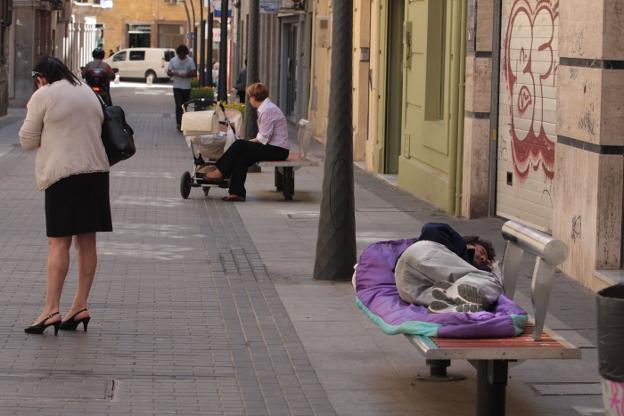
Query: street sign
[190,36]
[270,6]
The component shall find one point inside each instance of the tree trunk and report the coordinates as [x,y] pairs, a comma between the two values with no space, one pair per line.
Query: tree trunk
[251,116]
[223,50]
[335,247]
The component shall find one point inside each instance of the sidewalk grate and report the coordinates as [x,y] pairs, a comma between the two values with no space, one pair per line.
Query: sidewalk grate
[384,209]
[566,389]
[33,387]
[312,215]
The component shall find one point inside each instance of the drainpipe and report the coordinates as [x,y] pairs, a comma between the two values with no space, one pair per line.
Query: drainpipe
[493,139]
[457,104]
[459,162]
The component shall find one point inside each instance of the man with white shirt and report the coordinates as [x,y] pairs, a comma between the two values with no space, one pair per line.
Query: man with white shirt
[271,143]
[181,69]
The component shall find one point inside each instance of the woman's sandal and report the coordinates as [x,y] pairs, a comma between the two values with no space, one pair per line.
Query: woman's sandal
[233,198]
[41,326]
[71,324]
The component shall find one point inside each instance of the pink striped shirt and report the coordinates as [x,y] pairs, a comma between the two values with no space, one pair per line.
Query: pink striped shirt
[272,125]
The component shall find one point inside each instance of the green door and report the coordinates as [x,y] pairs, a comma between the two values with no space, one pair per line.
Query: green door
[431,97]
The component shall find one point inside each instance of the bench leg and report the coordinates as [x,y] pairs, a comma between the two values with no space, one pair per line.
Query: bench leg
[491,387]
[437,372]
[279,180]
[288,182]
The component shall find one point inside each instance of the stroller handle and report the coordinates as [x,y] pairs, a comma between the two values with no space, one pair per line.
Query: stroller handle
[203,100]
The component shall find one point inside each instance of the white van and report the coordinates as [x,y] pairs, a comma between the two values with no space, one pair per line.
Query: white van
[146,63]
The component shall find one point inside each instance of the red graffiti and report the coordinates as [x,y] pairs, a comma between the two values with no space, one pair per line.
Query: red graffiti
[529,65]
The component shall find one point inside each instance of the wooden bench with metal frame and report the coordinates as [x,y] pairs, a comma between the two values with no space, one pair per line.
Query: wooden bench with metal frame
[491,357]
[285,169]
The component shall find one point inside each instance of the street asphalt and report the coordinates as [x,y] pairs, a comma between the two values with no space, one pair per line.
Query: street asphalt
[205,307]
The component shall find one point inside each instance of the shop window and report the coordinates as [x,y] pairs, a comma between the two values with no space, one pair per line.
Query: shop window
[170,35]
[139,36]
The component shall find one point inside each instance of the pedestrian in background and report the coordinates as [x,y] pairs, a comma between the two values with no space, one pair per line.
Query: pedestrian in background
[241,83]
[64,124]
[271,143]
[181,69]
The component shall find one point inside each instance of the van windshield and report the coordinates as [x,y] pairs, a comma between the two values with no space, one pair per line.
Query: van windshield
[120,56]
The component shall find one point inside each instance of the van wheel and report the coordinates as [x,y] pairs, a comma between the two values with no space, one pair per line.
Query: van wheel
[150,77]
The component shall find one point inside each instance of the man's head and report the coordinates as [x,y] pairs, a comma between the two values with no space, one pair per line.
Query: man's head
[484,253]
[182,51]
[98,53]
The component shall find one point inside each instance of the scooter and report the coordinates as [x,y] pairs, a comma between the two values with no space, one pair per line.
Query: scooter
[99,81]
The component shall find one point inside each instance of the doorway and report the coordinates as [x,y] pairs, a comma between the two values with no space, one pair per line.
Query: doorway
[289,63]
[394,87]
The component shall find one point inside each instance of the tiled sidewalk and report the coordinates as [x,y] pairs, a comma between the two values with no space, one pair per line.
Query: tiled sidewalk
[185,318]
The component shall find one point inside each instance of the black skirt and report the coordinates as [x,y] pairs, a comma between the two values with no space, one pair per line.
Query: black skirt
[78,204]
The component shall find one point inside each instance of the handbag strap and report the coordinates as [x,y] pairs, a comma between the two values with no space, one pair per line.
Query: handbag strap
[104,105]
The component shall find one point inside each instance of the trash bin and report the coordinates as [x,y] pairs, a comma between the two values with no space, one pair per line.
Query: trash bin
[610,328]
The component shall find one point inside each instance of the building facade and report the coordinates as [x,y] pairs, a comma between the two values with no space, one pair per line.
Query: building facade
[146,23]
[6,20]
[548,135]
[284,59]
[38,30]
[493,107]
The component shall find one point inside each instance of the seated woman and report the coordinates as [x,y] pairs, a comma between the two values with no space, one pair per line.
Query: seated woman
[271,143]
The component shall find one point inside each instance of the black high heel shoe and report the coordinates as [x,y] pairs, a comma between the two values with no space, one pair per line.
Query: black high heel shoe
[71,324]
[41,326]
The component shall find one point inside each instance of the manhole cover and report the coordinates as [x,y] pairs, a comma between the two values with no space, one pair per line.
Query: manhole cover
[567,389]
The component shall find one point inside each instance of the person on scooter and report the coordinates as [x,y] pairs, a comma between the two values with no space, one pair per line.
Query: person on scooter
[98,73]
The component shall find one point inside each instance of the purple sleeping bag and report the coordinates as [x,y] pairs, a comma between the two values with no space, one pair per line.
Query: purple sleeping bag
[378,298]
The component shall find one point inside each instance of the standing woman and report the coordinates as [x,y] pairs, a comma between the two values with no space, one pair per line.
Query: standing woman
[271,143]
[64,124]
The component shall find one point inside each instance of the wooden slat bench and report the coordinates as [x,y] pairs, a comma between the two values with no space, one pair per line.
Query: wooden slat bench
[491,357]
[285,169]
[285,173]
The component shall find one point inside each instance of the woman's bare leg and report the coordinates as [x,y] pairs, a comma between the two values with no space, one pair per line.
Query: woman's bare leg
[87,261]
[58,265]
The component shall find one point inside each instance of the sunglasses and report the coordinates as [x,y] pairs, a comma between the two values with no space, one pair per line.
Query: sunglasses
[35,74]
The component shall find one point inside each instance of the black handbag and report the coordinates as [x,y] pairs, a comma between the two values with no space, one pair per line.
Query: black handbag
[117,135]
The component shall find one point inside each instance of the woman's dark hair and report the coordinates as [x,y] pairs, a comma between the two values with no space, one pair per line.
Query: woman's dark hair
[54,70]
[98,53]
[182,50]
[475,239]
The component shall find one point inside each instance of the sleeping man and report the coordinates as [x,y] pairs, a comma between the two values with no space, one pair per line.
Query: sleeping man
[447,272]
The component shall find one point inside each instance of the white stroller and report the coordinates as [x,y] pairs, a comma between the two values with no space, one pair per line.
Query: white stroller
[209,133]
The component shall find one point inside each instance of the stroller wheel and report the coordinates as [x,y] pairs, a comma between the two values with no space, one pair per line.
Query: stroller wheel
[206,190]
[185,185]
